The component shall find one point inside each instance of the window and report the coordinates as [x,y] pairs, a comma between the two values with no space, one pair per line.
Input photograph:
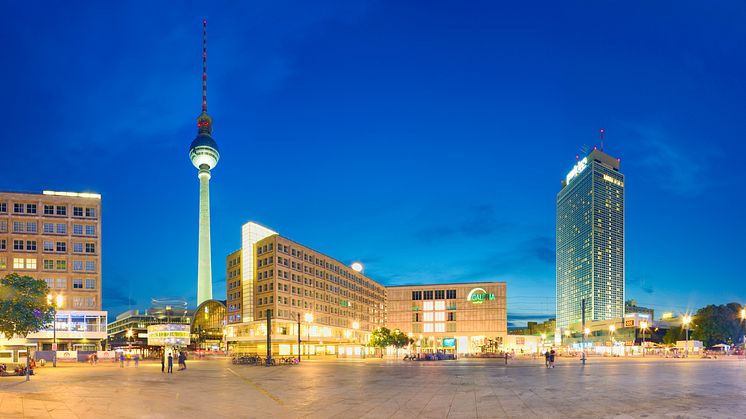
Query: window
[48,264]
[428,327]
[90,212]
[61,228]
[18,227]
[3,263]
[451,317]
[17,244]
[77,211]
[3,226]
[77,284]
[31,227]
[440,294]
[61,210]
[90,301]
[451,294]
[440,316]
[90,230]
[78,247]
[31,245]
[440,327]
[18,208]
[48,228]
[3,207]
[31,263]
[416,295]
[60,283]
[18,263]
[2,244]
[427,306]
[78,229]
[90,265]
[61,265]
[31,208]
[90,284]
[50,282]
[77,265]
[48,209]
[48,246]
[440,305]
[61,246]
[77,302]
[428,316]
[428,295]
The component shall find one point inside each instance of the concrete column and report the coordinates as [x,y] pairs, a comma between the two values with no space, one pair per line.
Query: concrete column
[204,264]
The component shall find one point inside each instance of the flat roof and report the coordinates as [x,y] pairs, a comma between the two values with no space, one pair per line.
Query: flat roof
[446,284]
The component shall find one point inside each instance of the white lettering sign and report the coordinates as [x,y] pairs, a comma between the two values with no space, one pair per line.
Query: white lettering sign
[577,169]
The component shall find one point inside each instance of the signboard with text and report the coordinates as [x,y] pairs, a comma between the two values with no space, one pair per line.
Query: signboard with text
[479,295]
[168,334]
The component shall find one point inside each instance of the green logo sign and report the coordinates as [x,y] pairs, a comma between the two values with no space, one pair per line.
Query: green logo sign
[479,295]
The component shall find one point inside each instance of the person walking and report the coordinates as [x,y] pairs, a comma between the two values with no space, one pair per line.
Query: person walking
[546,359]
[182,359]
[137,360]
[170,363]
[163,362]
[121,360]
[552,354]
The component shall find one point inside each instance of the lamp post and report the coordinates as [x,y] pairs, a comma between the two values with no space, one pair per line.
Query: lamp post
[309,319]
[58,300]
[299,338]
[686,320]
[643,326]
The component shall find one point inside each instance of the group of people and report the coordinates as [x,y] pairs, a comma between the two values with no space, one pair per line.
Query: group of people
[128,357]
[549,358]
[168,359]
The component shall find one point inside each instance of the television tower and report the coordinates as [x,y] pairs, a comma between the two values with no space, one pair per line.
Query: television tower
[204,156]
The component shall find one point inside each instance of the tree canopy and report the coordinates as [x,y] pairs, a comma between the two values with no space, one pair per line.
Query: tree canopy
[380,338]
[715,324]
[24,307]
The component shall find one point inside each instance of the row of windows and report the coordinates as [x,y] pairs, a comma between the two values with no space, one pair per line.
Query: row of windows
[48,228]
[439,316]
[434,295]
[49,265]
[30,245]
[78,284]
[22,208]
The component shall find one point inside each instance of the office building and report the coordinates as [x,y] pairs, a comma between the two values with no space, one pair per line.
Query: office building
[459,318]
[204,155]
[590,242]
[56,236]
[630,306]
[337,306]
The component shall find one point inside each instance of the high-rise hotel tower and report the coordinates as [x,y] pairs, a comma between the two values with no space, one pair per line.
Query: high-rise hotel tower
[204,155]
[590,242]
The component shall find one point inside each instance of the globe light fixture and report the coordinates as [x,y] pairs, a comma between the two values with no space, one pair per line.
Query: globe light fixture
[357,267]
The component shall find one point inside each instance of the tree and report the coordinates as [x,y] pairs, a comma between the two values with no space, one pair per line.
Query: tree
[673,335]
[24,307]
[399,340]
[715,324]
[380,338]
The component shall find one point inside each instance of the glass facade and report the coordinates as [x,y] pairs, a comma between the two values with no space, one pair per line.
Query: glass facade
[590,242]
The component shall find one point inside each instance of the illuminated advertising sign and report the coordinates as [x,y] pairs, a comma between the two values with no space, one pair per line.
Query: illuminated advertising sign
[168,334]
[577,169]
[629,322]
[448,342]
[479,295]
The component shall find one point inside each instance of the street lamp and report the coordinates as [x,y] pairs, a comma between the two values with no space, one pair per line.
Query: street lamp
[309,319]
[686,320]
[57,304]
[643,326]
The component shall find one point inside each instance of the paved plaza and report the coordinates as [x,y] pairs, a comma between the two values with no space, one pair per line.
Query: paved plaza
[385,388]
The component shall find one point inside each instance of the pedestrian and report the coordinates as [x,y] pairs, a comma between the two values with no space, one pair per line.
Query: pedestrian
[121,360]
[182,359]
[163,362]
[170,363]
[546,359]
[137,360]
[552,354]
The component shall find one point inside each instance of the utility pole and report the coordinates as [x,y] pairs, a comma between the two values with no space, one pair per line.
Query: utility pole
[269,337]
[583,320]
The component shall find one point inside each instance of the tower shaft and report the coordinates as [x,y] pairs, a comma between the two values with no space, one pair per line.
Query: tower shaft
[204,264]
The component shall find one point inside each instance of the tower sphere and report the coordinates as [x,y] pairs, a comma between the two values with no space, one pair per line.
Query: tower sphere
[204,150]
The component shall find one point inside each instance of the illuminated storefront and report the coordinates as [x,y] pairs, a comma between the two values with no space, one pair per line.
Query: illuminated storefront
[453,318]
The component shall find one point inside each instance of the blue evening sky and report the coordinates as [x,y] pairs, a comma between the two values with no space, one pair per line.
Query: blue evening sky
[425,139]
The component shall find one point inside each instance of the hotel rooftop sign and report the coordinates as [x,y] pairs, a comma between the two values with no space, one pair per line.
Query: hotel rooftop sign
[577,169]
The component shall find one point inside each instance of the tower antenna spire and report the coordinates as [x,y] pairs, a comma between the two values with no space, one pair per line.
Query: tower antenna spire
[601,133]
[204,66]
